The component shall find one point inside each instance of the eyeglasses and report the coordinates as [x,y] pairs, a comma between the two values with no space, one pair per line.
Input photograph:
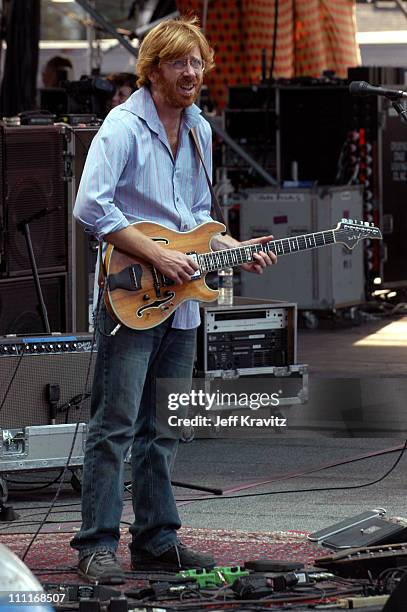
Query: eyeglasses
[198,65]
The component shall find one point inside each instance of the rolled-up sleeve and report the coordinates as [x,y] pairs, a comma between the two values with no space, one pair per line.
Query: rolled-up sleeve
[108,155]
[201,207]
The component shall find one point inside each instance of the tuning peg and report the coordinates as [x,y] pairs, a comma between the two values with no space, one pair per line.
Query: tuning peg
[344,220]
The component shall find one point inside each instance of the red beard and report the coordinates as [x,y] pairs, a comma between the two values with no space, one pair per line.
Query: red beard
[169,91]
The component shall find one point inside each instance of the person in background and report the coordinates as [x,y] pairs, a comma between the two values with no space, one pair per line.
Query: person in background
[125,83]
[57,69]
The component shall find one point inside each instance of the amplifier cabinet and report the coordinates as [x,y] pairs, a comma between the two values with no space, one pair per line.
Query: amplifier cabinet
[20,313]
[392,161]
[29,364]
[251,337]
[33,189]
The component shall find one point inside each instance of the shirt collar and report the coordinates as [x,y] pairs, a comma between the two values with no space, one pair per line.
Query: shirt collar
[141,104]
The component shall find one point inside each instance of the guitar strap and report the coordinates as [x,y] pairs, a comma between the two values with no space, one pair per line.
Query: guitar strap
[216,209]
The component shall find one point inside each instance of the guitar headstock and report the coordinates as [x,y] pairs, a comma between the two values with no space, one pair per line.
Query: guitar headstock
[348,232]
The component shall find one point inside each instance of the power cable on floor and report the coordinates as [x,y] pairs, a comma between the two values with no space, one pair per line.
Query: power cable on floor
[312,490]
[290,476]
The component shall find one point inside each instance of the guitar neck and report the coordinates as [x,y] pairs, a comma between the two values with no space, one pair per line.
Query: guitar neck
[229,258]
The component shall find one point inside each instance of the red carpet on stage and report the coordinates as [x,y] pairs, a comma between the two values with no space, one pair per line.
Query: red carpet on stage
[51,551]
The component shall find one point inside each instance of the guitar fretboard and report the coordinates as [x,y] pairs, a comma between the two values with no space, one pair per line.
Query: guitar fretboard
[228,258]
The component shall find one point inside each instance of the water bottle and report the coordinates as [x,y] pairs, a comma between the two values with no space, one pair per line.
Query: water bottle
[225,286]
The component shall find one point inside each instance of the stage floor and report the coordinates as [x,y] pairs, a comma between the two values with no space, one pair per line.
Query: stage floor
[372,348]
[284,471]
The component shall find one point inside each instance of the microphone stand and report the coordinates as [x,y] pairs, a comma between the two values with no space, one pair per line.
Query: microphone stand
[401,111]
[24,227]
[396,104]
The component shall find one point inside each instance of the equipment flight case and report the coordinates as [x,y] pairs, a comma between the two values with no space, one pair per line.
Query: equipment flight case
[252,338]
[45,384]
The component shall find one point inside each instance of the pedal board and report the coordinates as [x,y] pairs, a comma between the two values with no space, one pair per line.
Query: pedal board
[366,529]
[359,562]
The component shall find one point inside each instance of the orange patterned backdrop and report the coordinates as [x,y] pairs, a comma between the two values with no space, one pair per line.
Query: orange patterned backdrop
[312,36]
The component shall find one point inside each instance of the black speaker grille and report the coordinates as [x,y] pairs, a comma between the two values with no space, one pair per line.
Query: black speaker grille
[33,169]
[19,311]
[2,211]
[26,402]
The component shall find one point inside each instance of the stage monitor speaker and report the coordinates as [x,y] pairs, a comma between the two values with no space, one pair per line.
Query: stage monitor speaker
[33,184]
[29,365]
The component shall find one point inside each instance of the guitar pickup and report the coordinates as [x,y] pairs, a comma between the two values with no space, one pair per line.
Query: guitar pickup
[197,274]
[129,278]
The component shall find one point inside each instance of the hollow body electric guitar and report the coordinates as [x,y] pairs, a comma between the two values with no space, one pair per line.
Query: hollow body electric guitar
[139,296]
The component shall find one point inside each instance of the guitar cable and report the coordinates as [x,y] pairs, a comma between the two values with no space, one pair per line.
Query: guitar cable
[288,476]
[44,520]
[311,490]
[7,391]
[101,294]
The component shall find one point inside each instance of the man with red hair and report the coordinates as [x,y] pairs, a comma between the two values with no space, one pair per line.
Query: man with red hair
[142,166]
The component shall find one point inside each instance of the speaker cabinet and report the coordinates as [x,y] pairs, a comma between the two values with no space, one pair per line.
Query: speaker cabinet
[33,189]
[19,308]
[393,176]
[2,215]
[29,365]
[83,246]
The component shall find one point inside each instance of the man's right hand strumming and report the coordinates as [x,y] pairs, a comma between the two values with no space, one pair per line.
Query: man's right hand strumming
[175,265]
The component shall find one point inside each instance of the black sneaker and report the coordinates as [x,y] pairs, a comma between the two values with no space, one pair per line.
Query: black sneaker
[177,558]
[101,567]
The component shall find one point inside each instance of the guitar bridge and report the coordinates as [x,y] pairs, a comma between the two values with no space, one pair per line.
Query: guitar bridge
[129,278]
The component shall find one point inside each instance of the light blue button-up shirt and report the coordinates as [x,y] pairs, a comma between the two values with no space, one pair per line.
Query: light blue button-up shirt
[131,175]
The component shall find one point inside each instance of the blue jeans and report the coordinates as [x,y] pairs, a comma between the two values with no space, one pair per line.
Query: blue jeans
[123,411]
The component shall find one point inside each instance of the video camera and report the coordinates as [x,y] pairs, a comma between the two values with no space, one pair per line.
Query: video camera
[88,95]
